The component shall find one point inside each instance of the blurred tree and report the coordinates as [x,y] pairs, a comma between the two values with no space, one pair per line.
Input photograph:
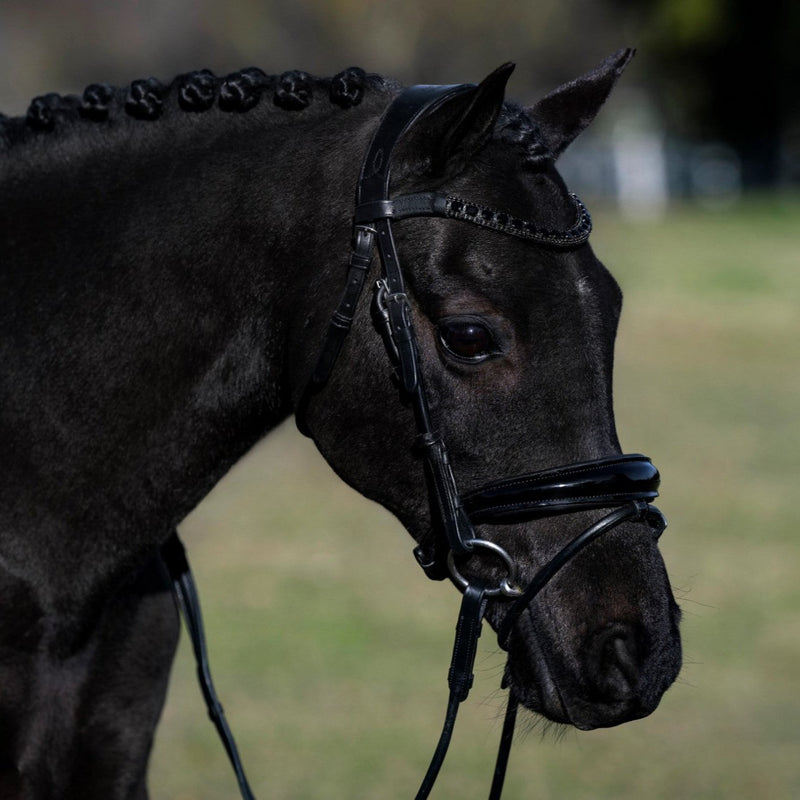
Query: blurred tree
[59,45]
[726,70]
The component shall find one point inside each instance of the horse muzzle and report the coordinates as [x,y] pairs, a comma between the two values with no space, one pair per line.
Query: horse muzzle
[593,640]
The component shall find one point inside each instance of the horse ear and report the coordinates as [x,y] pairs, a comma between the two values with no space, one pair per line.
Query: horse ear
[565,112]
[443,141]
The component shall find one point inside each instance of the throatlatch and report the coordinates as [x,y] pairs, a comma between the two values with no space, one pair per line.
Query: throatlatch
[625,484]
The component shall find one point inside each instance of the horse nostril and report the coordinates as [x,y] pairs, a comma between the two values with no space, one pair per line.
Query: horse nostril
[615,662]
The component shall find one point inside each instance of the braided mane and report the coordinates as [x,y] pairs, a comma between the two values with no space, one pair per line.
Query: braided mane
[193,92]
[199,91]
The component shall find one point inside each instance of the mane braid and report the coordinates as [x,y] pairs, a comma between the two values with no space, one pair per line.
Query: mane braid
[147,99]
[97,100]
[41,114]
[197,91]
[347,88]
[242,90]
[294,90]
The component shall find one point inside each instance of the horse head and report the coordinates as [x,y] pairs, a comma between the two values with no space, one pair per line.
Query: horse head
[514,338]
[171,261]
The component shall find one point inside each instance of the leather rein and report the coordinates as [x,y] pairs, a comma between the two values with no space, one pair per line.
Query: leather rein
[624,483]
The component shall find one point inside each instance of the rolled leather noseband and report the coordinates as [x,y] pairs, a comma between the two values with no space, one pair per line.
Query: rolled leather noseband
[576,487]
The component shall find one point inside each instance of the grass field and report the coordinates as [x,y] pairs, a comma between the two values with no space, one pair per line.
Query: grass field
[330,648]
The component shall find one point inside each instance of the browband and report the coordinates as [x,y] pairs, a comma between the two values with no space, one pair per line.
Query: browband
[435,204]
[576,487]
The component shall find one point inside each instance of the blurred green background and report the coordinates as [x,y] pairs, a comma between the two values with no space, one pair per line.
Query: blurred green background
[329,647]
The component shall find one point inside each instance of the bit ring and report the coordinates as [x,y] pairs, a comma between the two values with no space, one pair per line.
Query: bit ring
[506,587]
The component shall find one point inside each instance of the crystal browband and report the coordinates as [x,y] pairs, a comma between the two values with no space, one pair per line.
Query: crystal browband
[434,204]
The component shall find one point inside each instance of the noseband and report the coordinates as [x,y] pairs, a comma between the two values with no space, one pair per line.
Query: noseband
[623,483]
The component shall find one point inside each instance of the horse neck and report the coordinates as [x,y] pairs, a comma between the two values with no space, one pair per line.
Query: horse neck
[155,271]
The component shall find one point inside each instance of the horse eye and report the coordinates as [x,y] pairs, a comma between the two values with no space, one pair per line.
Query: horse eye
[467,339]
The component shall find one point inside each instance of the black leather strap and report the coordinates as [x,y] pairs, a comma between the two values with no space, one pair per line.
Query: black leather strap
[373,185]
[422,204]
[634,510]
[433,204]
[401,115]
[460,676]
[504,750]
[456,525]
[342,318]
[188,601]
[340,323]
[373,192]
[591,484]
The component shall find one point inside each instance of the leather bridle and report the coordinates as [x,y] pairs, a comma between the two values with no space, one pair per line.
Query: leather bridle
[623,483]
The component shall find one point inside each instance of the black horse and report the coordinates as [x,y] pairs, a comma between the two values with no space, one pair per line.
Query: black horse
[171,256]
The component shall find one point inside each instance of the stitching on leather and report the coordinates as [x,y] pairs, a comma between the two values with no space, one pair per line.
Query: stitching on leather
[613,498]
[554,473]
